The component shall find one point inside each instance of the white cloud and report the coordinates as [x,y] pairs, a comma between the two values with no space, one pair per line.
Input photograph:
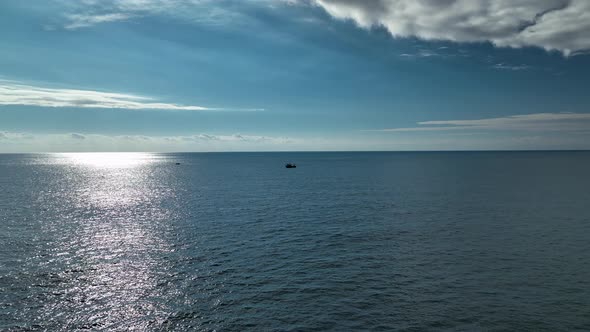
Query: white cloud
[528,122]
[82,20]
[14,136]
[422,54]
[231,138]
[503,66]
[12,93]
[441,52]
[89,13]
[562,25]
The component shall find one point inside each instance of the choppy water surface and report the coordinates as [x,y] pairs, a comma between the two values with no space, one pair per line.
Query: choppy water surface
[346,241]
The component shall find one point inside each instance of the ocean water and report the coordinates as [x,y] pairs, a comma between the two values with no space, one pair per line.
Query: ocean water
[445,241]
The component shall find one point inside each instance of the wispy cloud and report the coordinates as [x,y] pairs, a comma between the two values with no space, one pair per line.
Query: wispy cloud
[529,122]
[232,138]
[8,136]
[214,12]
[77,21]
[77,136]
[197,138]
[83,14]
[12,93]
[422,54]
[441,52]
[22,141]
[503,66]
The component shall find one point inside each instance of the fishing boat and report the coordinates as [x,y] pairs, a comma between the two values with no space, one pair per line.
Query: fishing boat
[290,165]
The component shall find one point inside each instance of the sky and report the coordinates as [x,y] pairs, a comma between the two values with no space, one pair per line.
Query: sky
[294,75]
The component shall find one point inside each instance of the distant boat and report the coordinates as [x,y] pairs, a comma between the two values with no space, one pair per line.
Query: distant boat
[290,165]
[177,163]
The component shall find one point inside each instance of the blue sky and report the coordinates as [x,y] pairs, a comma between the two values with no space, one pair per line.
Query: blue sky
[274,75]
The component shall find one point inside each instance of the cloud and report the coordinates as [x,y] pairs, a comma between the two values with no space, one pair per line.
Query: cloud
[528,122]
[81,20]
[562,25]
[77,136]
[89,13]
[199,138]
[12,136]
[235,138]
[19,94]
[351,141]
[22,142]
[503,66]
[422,54]
[441,52]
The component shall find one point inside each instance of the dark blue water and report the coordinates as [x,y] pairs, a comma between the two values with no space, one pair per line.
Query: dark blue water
[469,241]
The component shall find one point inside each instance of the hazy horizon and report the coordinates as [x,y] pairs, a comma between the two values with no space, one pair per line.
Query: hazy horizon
[293,151]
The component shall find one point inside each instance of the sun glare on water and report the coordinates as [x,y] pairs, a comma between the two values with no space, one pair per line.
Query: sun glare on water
[120,226]
[110,159]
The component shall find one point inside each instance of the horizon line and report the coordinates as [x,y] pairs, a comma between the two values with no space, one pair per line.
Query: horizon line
[310,151]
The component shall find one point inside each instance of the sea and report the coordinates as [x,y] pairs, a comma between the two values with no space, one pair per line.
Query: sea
[347,241]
